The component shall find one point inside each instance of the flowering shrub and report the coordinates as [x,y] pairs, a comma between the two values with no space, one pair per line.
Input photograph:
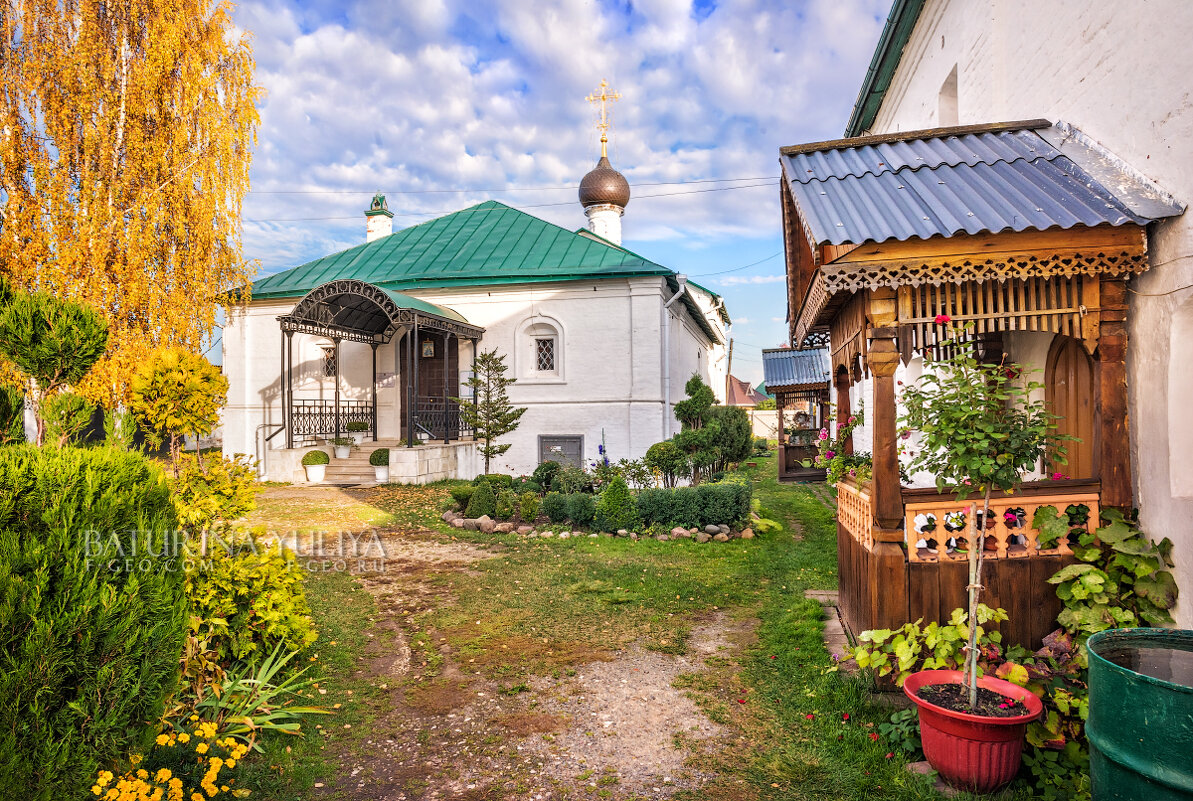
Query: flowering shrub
[182,765]
[830,452]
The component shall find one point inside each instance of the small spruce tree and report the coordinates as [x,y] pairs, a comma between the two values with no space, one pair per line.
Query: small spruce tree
[489,411]
[483,501]
[615,509]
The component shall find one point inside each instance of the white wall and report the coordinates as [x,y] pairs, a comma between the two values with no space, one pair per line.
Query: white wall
[1119,71]
[609,380]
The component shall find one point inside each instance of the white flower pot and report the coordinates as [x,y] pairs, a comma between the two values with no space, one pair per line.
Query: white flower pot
[343,451]
[315,472]
[358,436]
[382,471]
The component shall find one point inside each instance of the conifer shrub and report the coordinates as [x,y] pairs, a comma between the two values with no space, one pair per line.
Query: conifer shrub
[506,500]
[256,588]
[483,501]
[463,494]
[496,480]
[12,415]
[555,507]
[543,474]
[89,642]
[528,506]
[581,508]
[686,509]
[615,509]
[217,490]
[67,416]
[655,506]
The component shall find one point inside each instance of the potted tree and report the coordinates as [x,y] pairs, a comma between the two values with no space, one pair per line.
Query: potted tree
[980,430]
[342,446]
[356,431]
[315,465]
[380,461]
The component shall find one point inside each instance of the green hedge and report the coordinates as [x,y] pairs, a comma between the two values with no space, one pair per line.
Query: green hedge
[88,650]
[555,507]
[581,508]
[726,502]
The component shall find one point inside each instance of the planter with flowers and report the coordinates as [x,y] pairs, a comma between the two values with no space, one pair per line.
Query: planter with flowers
[980,431]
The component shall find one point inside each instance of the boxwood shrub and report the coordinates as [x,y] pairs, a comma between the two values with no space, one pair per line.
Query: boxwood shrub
[315,457]
[379,457]
[463,494]
[555,507]
[581,508]
[726,502]
[89,642]
[483,501]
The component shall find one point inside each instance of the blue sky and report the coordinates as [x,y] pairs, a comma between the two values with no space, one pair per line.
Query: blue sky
[444,103]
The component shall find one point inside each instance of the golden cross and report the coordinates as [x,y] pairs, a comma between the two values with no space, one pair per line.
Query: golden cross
[604,96]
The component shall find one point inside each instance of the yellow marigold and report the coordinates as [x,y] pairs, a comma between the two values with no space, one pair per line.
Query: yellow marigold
[142,773]
[162,739]
[194,717]
[197,797]
[162,775]
[105,776]
[230,763]
[201,748]
[95,789]
[183,737]
[135,759]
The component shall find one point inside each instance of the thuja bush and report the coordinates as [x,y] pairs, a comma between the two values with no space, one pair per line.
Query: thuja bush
[217,489]
[89,642]
[483,500]
[555,507]
[255,588]
[616,509]
[581,508]
[724,503]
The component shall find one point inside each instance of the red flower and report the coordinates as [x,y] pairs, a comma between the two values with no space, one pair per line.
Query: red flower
[810,716]
[889,754]
[941,319]
[845,716]
[873,737]
[741,700]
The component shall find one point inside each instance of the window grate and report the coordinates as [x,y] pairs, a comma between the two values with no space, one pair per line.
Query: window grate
[329,362]
[545,354]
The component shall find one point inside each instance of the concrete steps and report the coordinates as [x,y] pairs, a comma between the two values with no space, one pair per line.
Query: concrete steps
[356,468]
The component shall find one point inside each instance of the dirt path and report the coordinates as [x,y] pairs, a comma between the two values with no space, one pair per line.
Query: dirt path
[616,729]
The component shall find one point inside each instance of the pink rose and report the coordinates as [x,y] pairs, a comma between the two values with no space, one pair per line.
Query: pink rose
[852,419]
[824,433]
[941,319]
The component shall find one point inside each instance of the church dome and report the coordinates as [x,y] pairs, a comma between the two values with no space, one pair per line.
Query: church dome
[603,184]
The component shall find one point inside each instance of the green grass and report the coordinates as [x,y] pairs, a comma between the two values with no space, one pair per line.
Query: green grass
[544,606]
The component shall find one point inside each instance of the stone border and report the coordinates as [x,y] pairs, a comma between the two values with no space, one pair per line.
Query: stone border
[487,525]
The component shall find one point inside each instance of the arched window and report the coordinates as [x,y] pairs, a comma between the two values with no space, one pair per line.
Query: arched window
[539,351]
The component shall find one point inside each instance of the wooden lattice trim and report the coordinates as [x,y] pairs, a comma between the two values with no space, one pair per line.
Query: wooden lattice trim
[1004,540]
[847,333]
[854,276]
[854,513]
[814,302]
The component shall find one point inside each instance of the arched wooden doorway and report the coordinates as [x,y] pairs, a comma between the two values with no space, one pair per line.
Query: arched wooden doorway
[1069,382]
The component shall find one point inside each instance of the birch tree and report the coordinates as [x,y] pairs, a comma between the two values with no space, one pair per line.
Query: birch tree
[126,129]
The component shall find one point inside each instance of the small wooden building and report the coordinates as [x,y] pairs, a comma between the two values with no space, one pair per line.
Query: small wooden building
[799,381]
[1030,232]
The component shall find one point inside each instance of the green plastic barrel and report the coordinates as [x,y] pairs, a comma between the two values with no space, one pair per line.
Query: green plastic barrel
[1140,725]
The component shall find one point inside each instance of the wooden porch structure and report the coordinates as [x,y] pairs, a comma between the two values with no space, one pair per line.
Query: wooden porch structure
[426,359]
[877,287]
[799,382]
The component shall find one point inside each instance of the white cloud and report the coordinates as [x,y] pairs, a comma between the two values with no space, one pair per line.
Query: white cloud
[751,279]
[415,96]
[741,321]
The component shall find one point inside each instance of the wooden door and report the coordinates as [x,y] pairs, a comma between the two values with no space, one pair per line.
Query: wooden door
[1069,382]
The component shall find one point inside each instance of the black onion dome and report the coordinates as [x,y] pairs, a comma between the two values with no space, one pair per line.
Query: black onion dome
[603,184]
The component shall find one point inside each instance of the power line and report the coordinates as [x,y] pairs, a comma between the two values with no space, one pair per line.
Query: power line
[571,187]
[739,269]
[522,208]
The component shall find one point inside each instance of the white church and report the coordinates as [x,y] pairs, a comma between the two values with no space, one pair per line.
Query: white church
[382,336]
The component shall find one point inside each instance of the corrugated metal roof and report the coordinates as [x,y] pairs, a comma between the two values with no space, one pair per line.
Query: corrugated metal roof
[904,186]
[783,367]
[489,243]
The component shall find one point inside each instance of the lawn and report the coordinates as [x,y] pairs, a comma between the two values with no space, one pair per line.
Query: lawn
[542,607]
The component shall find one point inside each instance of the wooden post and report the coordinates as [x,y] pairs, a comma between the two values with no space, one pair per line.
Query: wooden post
[782,434]
[1114,446]
[447,338]
[842,383]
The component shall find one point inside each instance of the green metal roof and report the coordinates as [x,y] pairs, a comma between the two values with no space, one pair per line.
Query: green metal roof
[900,22]
[489,243]
[403,301]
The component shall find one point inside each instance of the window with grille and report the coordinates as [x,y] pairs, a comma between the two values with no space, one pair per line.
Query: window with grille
[329,362]
[544,350]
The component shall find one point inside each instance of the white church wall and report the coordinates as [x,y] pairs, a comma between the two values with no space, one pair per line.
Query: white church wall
[1119,72]
[609,381]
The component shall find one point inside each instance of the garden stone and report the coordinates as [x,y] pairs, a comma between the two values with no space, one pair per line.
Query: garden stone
[621,532]
[504,528]
[486,525]
[547,534]
[679,531]
[747,534]
[449,517]
[525,529]
[723,529]
[634,536]
[563,535]
[606,534]
[710,529]
[721,538]
[458,522]
[693,530]
[701,537]
[592,536]
[471,524]
[663,538]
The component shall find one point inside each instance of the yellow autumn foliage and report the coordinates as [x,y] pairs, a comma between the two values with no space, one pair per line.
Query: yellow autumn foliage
[126,129]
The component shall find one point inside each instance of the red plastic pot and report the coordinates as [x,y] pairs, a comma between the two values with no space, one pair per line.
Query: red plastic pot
[972,752]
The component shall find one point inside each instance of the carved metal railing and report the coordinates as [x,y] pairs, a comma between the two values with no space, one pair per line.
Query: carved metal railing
[432,417]
[935,527]
[311,420]
[854,512]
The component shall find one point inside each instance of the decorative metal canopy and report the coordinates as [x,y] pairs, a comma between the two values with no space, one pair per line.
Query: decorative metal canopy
[358,311]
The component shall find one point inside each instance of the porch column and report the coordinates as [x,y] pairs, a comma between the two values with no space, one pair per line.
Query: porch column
[782,434]
[289,389]
[411,335]
[842,382]
[418,357]
[1114,447]
[447,338]
[887,567]
[283,388]
[336,353]
[374,347]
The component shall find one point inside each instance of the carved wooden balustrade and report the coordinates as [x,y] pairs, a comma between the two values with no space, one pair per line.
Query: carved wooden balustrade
[854,513]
